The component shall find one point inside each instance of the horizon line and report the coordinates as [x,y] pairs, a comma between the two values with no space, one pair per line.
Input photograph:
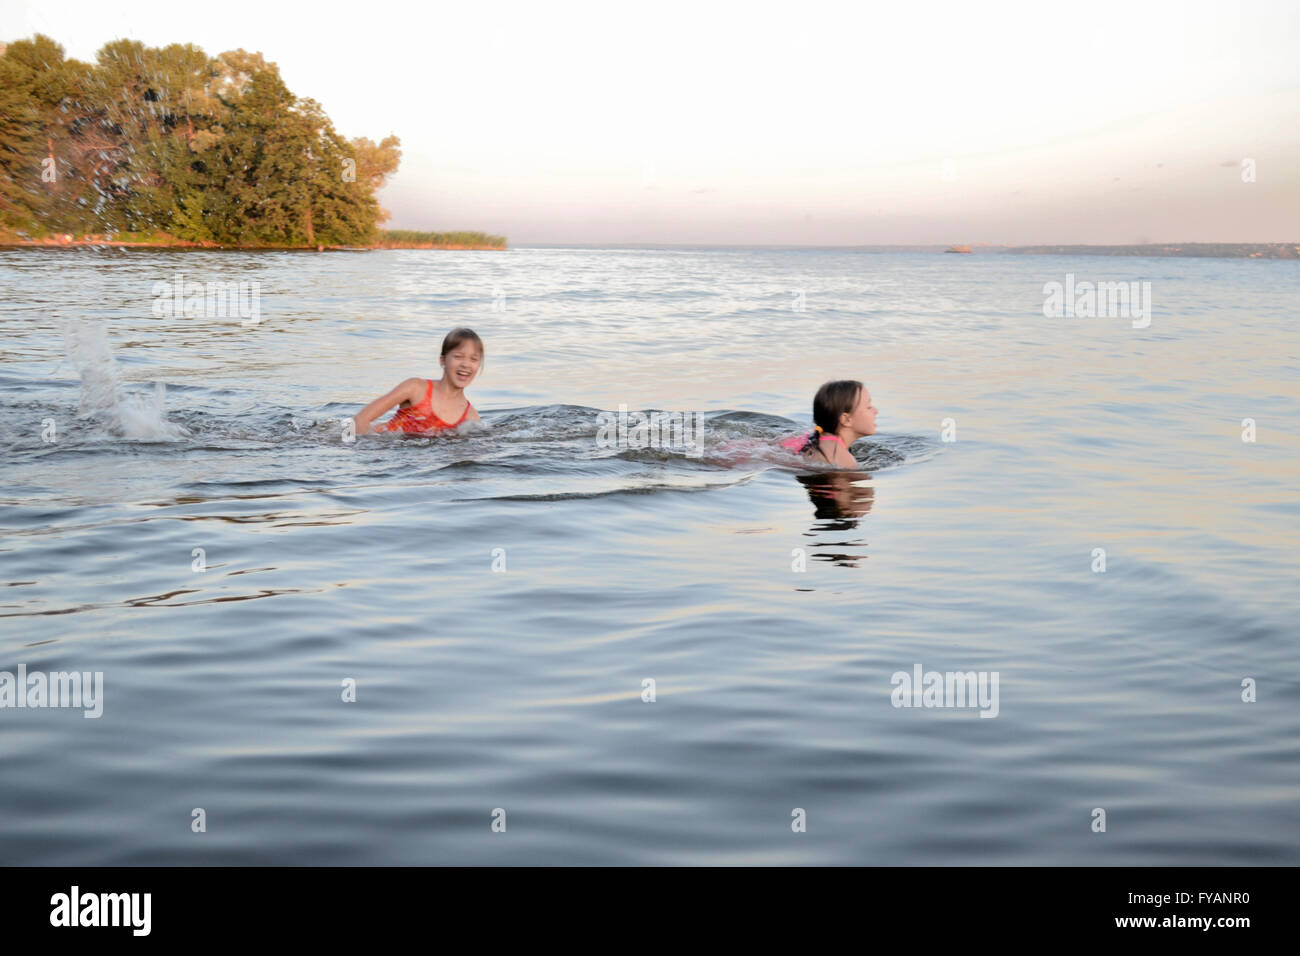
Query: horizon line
[888,245]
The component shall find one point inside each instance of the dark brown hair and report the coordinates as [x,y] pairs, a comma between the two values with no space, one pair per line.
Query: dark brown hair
[831,401]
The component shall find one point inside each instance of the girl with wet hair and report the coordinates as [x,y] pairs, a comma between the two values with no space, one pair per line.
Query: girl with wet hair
[426,406]
[842,413]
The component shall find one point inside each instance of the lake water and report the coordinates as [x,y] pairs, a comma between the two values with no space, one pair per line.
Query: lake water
[503,599]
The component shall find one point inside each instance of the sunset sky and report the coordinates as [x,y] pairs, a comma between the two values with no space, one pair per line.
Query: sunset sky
[786,124]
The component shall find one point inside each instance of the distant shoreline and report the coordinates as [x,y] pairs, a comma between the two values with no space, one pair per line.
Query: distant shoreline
[1191,250]
[1195,250]
[1225,250]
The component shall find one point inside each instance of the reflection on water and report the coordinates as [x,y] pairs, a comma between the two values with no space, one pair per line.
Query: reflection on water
[500,597]
[839,499]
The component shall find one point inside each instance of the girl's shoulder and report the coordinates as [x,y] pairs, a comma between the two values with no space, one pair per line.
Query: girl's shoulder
[843,458]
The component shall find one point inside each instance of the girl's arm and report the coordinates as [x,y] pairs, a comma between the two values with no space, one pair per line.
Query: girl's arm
[473,415]
[411,391]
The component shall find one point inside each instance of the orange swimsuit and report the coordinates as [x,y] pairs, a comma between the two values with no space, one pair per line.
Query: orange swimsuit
[422,417]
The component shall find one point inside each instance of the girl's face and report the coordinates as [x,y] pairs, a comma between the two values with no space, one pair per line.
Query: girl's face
[863,417]
[461,364]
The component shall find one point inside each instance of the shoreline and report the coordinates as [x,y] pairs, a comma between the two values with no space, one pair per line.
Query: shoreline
[1185,250]
[1190,250]
[1171,250]
[103,242]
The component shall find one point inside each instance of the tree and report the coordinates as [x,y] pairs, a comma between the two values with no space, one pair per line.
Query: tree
[168,139]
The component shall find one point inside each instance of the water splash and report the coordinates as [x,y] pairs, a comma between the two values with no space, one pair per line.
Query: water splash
[103,399]
[552,445]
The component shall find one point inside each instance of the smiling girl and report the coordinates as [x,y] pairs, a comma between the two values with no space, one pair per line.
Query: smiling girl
[427,406]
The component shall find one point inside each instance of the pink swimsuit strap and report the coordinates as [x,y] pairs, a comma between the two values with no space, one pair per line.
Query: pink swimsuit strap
[796,443]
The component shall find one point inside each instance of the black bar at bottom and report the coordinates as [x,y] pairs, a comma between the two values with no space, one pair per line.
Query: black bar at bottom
[330,905]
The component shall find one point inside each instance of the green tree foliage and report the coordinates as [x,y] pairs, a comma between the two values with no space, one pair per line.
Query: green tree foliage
[170,140]
[37,179]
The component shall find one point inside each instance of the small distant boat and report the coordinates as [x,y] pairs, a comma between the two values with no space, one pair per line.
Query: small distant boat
[957,249]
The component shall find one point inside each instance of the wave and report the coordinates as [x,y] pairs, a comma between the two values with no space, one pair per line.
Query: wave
[562,433]
[240,443]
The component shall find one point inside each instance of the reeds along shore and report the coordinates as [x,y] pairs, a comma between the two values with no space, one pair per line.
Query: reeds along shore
[411,239]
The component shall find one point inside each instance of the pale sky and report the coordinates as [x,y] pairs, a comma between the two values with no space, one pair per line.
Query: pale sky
[787,123]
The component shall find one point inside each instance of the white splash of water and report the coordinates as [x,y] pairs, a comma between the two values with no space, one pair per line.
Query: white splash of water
[125,414]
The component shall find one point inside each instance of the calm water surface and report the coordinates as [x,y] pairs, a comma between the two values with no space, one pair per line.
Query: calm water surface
[770,606]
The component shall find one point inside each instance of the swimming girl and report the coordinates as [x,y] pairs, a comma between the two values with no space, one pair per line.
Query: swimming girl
[426,406]
[842,413]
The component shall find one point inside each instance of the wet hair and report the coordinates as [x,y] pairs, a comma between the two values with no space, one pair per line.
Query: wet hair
[831,401]
[459,336]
